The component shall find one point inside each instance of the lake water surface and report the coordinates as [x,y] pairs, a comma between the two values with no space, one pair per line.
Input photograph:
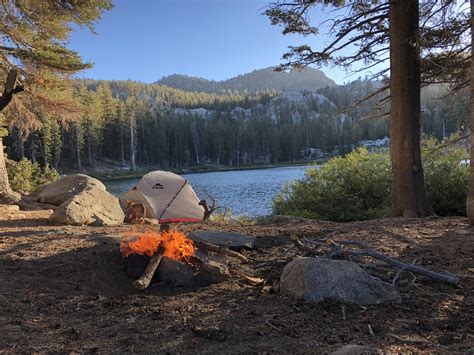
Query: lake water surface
[245,192]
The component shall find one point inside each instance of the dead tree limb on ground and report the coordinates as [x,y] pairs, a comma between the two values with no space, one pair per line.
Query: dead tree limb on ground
[220,249]
[331,248]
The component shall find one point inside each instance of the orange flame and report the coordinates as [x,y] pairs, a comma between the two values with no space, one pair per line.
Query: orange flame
[175,243]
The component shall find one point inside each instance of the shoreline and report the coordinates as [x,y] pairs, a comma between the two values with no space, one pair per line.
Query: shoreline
[122,175]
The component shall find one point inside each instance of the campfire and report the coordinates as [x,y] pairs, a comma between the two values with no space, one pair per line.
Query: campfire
[175,258]
[175,244]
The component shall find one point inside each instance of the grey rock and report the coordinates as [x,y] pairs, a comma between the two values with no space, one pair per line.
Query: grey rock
[318,279]
[9,208]
[352,349]
[65,188]
[81,200]
[175,272]
[236,241]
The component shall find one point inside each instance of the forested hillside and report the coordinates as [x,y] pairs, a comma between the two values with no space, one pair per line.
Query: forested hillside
[136,124]
[258,80]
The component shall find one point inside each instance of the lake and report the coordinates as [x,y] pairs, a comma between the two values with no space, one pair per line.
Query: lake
[245,192]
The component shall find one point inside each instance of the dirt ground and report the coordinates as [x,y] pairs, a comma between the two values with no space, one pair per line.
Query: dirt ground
[64,289]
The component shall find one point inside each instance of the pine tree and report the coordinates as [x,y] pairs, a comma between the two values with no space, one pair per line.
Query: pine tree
[377,31]
[34,34]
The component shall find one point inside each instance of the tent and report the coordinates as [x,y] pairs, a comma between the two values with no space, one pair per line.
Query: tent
[167,197]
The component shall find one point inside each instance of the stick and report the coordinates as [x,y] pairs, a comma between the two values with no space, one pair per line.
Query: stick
[397,276]
[222,250]
[371,331]
[144,281]
[448,278]
[404,340]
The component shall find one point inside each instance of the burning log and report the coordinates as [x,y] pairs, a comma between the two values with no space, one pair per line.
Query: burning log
[169,243]
[174,258]
[144,281]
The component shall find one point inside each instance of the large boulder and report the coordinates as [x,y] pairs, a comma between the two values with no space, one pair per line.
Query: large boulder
[65,188]
[318,279]
[81,200]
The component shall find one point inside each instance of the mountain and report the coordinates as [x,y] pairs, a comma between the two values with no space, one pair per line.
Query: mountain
[257,80]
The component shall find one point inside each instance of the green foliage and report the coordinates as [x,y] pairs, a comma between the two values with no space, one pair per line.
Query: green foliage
[26,176]
[357,186]
[446,177]
[348,188]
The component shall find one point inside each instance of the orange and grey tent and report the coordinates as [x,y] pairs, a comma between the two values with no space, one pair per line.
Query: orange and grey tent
[167,197]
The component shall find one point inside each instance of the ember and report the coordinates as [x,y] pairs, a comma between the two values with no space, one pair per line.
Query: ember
[175,244]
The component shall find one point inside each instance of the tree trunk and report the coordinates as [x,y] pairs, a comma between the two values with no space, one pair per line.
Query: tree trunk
[122,146]
[7,195]
[132,144]
[470,192]
[89,144]
[21,143]
[78,148]
[408,189]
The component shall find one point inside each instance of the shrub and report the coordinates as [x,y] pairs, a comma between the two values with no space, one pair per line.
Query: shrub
[357,186]
[348,188]
[446,178]
[25,176]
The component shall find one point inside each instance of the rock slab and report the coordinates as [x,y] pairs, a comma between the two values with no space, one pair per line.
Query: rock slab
[81,200]
[351,349]
[318,279]
[235,241]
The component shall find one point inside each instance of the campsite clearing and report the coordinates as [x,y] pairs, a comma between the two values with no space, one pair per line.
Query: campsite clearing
[64,289]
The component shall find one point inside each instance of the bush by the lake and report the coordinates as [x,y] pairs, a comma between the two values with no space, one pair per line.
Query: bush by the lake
[446,177]
[348,188]
[357,186]
[25,176]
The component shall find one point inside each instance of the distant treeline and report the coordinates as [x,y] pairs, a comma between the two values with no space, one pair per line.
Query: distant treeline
[150,124]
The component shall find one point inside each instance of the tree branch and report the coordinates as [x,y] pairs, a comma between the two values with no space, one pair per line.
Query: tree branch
[10,89]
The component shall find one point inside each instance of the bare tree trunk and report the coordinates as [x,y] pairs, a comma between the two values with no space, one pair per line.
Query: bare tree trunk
[78,148]
[470,192]
[132,143]
[143,140]
[195,141]
[33,151]
[7,195]
[122,146]
[89,144]
[22,148]
[408,189]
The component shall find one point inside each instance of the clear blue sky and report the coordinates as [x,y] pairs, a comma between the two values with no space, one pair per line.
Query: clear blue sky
[145,40]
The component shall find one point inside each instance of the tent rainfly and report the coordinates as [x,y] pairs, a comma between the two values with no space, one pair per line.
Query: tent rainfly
[167,197]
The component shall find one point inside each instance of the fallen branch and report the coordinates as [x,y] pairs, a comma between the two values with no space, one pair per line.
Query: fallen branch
[222,250]
[448,278]
[277,263]
[338,250]
[406,340]
[399,273]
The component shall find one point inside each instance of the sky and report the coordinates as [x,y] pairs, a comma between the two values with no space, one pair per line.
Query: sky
[144,40]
